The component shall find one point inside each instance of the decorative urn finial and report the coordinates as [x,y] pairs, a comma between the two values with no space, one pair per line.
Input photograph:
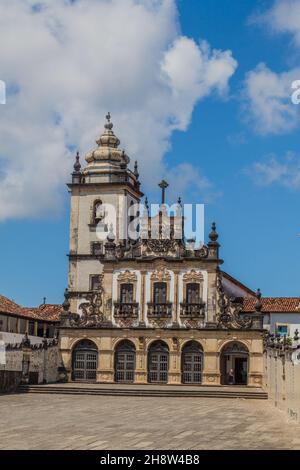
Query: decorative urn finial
[213,236]
[77,165]
[66,303]
[258,305]
[136,170]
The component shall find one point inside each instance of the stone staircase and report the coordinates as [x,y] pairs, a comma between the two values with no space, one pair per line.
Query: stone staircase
[124,390]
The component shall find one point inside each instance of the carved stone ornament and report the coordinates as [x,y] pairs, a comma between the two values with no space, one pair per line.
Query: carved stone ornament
[92,315]
[162,246]
[193,323]
[161,275]
[193,276]
[127,277]
[229,315]
[160,322]
[127,322]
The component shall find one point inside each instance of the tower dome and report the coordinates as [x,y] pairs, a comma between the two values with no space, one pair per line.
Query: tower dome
[108,150]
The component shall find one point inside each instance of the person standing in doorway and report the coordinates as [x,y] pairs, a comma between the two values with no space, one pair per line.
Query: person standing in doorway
[231,377]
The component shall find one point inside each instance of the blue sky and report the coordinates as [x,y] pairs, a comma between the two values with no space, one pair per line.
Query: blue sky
[226,141]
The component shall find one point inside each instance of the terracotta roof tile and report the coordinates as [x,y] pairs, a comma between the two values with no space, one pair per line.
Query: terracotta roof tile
[46,312]
[274,304]
[9,306]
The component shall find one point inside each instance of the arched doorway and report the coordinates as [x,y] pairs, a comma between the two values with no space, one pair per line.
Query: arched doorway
[192,363]
[234,363]
[158,362]
[125,362]
[84,361]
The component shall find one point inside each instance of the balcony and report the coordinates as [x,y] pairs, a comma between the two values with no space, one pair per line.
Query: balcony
[190,310]
[157,310]
[126,310]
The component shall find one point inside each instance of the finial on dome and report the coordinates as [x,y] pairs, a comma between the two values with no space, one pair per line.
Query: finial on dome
[109,125]
[77,165]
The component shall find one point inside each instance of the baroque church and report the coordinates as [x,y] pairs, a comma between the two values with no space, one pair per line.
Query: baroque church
[155,309]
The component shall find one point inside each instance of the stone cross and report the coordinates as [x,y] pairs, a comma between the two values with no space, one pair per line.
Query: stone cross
[163,185]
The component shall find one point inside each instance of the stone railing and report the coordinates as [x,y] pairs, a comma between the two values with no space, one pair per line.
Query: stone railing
[192,310]
[128,309]
[159,309]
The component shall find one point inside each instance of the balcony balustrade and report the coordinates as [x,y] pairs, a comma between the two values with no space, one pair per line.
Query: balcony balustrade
[159,309]
[129,309]
[192,310]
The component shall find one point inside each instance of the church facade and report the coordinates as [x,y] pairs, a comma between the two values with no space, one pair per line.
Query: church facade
[154,309]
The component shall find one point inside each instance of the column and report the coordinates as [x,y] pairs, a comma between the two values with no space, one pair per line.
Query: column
[176,299]
[211,363]
[141,372]
[105,372]
[174,376]
[142,299]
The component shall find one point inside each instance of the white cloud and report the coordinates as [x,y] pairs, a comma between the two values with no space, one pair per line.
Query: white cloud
[268,97]
[283,17]
[185,176]
[66,64]
[269,92]
[274,170]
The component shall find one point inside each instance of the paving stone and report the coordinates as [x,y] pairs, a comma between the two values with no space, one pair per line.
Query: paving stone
[95,422]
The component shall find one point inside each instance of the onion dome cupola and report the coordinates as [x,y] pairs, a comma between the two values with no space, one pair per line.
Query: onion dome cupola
[107,154]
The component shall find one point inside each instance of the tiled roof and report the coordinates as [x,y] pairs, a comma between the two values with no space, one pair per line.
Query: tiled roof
[274,304]
[46,312]
[9,306]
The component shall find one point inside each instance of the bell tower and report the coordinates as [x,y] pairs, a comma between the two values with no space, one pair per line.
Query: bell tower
[101,194]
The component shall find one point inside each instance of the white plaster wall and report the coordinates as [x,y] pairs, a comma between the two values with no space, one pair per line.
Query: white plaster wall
[291,319]
[16,338]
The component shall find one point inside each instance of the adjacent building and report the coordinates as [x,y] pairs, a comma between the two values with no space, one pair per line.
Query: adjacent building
[37,322]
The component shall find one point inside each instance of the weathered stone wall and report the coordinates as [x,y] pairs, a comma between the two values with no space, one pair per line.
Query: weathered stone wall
[43,366]
[282,381]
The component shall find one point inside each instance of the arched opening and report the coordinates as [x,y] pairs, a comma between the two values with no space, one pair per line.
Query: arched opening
[84,361]
[158,362]
[125,362]
[234,364]
[192,363]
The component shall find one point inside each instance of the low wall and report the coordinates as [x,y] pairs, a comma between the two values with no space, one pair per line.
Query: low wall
[29,363]
[282,380]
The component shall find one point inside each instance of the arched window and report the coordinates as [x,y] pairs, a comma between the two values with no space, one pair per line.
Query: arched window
[84,361]
[125,362]
[158,362]
[98,212]
[192,363]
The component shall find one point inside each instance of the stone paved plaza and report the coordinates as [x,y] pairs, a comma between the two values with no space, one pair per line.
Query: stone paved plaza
[35,421]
